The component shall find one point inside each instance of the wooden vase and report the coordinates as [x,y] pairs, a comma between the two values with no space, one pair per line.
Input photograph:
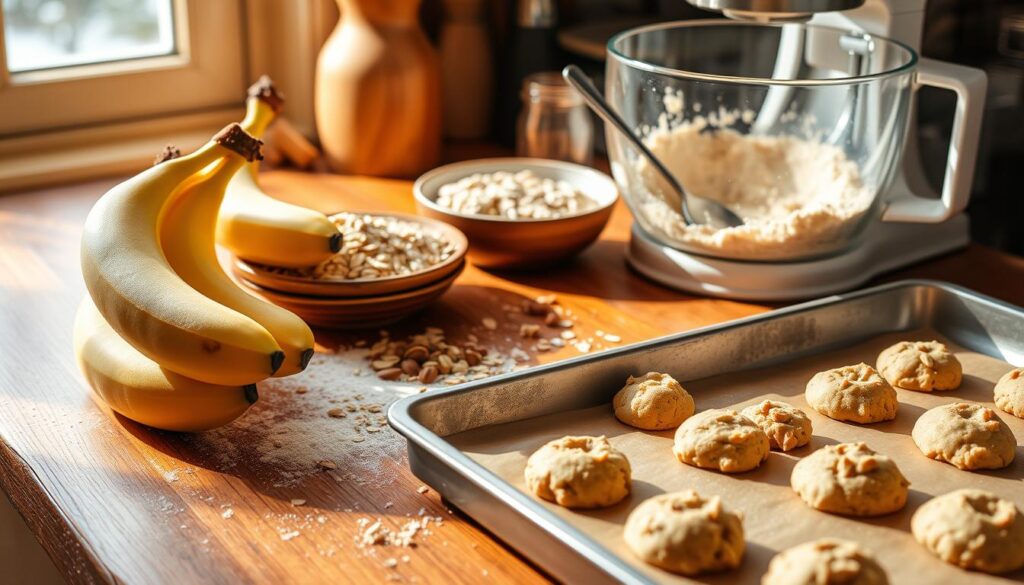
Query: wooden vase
[378,91]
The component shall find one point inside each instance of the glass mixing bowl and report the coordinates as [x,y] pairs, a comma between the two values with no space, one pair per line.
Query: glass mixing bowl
[797,128]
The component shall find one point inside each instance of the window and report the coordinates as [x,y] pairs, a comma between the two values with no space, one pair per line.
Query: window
[92,88]
[85,62]
[51,34]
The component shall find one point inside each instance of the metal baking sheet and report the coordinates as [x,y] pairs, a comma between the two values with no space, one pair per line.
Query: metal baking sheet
[469,443]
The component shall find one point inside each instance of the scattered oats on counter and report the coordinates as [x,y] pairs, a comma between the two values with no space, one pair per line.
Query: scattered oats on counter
[377,246]
[521,195]
[431,358]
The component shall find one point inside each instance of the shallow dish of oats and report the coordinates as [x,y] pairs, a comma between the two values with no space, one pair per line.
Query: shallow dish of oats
[381,254]
[519,212]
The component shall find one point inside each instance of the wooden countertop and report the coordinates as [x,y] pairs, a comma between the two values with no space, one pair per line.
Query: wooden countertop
[112,501]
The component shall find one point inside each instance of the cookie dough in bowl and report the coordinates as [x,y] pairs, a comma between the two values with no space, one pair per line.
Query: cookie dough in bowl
[826,561]
[969,436]
[787,427]
[721,439]
[653,402]
[579,472]
[852,393]
[850,479]
[972,529]
[1009,392]
[920,365]
[685,533]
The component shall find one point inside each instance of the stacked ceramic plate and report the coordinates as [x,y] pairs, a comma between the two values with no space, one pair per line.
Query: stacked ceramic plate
[360,303]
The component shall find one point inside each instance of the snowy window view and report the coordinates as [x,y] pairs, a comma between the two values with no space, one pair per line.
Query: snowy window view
[45,34]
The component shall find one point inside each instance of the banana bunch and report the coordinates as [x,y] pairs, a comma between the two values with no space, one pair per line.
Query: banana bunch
[167,339]
[260,228]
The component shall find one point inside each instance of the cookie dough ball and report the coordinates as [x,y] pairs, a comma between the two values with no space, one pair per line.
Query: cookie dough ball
[852,393]
[579,472]
[1009,392]
[787,427]
[827,561]
[850,479]
[684,533]
[969,436]
[920,365]
[721,439]
[972,529]
[653,402]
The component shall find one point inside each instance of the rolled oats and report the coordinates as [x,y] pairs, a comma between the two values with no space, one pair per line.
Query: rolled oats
[521,195]
[377,246]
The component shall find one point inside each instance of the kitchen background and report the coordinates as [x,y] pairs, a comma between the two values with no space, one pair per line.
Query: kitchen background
[516,37]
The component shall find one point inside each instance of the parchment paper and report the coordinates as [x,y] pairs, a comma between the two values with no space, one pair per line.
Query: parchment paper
[774,516]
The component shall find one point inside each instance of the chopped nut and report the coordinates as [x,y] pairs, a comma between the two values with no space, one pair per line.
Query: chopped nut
[326,464]
[489,323]
[444,364]
[610,338]
[390,374]
[417,352]
[867,464]
[423,488]
[529,330]
[384,362]
[473,358]
[410,367]
[567,335]
[336,413]
[428,374]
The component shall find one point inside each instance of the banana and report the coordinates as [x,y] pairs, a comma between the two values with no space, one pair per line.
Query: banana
[138,388]
[146,302]
[258,227]
[187,239]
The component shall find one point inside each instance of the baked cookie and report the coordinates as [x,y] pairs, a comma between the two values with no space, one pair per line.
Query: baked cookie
[969,436]
[787,427]
[920,365]
[827,561]
[1009,392]
[579,472]
[684,533]
[850,479]
[972,529]
[852,393]
[653,402]
[721,439]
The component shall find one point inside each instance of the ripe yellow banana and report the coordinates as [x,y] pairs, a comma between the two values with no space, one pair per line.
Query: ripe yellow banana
[187,239]
[262,229]
[138,388]
[146,302]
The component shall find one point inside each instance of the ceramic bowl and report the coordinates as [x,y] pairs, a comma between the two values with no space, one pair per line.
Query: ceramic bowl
[299,285]
[359,312]
[497,242]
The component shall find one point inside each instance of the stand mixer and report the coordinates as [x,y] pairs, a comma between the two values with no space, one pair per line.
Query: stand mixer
[912,222]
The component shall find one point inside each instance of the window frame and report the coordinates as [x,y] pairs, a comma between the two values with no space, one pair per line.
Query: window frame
[206,71]
[277,37]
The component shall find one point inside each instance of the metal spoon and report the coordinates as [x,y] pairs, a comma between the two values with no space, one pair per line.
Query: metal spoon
[694,208]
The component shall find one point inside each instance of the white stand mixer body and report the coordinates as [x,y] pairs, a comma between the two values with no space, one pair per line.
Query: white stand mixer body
[916,223]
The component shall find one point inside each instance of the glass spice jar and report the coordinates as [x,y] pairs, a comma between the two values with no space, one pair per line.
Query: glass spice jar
[554,122]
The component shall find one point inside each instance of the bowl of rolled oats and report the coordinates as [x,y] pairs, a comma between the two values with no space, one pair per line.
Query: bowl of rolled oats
[359,312]
[380,254]
[519,212]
